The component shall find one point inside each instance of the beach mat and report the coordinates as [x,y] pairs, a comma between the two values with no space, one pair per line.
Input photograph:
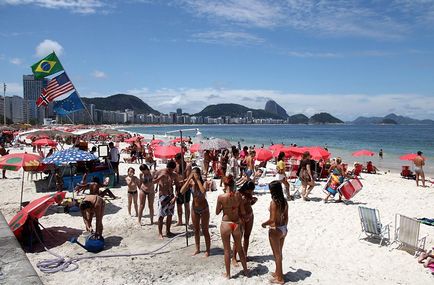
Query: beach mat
[426,221]
[261,189]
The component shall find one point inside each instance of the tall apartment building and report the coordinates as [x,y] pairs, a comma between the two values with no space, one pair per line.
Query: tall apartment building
[32,90]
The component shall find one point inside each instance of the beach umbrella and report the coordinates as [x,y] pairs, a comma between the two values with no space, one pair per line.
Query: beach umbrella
[35,210]
[166,151]
[274,147]
[195,147]
[156,142]
[317,152]
[44,142]
[410,156]
[68,156]
[363,152]
[263,154]
[215,143]
[16,161]
[131,140]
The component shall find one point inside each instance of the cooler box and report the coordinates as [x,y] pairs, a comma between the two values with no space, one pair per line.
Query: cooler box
[350,188]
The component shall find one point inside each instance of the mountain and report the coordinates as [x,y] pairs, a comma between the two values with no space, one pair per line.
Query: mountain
[298,119]
[272,107]
[387,121]
[234,110]
[402,120]
[324,118]
[120,102]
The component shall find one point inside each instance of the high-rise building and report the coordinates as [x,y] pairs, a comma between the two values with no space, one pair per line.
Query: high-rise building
[32,90]
[249,116]
[14,108]
[179,112]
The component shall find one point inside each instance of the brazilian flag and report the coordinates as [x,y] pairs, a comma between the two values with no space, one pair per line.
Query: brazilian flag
[47,66]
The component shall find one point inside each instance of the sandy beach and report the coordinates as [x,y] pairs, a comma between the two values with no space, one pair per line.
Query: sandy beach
[322,245]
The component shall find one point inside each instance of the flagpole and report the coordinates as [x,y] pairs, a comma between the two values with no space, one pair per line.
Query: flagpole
[84,105]
[4,104]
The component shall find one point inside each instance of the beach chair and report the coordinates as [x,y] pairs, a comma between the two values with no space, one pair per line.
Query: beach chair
[371,224]
[296,186]
[407,173]
[407,232]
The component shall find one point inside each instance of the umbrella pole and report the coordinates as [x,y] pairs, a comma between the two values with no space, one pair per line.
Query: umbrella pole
[72,181]
[22,189]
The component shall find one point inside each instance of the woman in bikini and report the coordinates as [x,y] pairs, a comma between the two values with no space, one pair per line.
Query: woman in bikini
[199,208]
[278,229]
[133,184]
[146,190]
[232,206]
[248,200]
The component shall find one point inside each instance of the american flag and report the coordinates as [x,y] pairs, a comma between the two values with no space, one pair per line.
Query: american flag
[57,86]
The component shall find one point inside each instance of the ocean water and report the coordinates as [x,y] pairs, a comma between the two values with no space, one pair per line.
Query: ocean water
[341,140]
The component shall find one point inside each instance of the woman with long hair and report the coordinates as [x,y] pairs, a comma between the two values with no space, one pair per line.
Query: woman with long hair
[281,176]
[278,229]
[306,176]
[146,191]
[199,208]
[232,206]
[246,191]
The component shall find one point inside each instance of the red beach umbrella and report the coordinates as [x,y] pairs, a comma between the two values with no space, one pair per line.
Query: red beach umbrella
[167,151]
[195,147]
[156,141]
[131,140]
[35,210]
[263,154]
[317,152]
[410,156]
[43,137]
[276,146]
[177,140]
[363,152]
[44,142]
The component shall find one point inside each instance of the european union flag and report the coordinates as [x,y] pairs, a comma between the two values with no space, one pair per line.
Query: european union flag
[69,105]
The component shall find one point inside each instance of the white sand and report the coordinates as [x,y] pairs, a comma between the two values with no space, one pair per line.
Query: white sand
[322,246]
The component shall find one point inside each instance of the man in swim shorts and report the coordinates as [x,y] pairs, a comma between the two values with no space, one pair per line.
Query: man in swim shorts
[166,179]
[419,162]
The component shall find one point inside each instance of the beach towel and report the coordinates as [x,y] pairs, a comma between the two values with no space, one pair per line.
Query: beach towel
[426,221]
[350,188]
[261,189]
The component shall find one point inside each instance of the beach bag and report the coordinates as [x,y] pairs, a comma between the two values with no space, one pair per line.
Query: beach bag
[350,188]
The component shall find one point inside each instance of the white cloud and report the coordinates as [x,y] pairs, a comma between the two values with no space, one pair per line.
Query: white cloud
[227,37]
[388,20]
[16,61]
[343,106]
[48,46]
[99,74]
[314,54]
[76,6]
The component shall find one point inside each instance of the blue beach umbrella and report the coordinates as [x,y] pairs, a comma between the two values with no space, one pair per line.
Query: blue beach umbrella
[69,156]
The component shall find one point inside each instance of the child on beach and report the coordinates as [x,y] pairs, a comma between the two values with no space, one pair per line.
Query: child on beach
[133,184]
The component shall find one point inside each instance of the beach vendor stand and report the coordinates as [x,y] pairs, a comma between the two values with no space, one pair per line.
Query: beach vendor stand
[73,163]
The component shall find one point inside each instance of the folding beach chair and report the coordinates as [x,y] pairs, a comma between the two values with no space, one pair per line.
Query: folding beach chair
[407,234]
[296,186]
[371,224]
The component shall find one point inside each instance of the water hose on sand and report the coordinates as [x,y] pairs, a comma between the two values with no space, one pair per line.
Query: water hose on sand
[68,264]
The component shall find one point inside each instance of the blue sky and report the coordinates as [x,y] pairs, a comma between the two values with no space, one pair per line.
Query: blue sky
[348,58]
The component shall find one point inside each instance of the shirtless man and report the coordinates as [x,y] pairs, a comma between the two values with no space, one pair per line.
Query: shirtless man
[166,179]
[419,162]
[183,199]
[250,163]
[93,205]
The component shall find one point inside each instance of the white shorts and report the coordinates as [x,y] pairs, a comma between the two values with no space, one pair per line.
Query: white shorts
[280,176]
